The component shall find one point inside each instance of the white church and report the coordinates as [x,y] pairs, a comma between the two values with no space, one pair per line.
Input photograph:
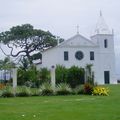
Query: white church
[79,51]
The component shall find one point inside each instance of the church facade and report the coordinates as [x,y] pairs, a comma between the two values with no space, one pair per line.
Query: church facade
[80,51]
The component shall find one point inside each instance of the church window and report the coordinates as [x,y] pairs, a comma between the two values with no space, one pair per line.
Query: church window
[105,43]
[79,55]
[66,57]
[91,55]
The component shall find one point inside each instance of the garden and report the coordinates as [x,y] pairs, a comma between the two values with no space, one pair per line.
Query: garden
[70,107]
[74,97]
[69,81]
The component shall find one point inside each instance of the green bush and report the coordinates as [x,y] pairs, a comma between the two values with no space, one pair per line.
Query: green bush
[0,93]
[29,84]
[27,75]
[43,76]
[46,89]
[63,89]
[79,89]
[23,91]
[8,91]
[75,76]
[35,92]
[61,74]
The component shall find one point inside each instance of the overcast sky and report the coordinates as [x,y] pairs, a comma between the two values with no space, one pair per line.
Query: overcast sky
[62,16]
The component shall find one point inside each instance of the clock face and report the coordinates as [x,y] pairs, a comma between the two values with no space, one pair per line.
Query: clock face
[79,55]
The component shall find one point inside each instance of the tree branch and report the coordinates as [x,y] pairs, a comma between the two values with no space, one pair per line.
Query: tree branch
[3,51]
[11,53]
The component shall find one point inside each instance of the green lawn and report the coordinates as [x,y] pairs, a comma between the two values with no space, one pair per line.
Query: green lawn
[63,107]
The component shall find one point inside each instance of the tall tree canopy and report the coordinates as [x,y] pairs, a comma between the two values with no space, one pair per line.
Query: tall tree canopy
[28,40]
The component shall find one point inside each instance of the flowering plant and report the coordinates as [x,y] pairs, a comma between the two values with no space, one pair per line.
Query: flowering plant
[100,91]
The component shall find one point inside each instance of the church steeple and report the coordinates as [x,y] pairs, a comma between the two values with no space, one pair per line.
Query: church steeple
[101,26]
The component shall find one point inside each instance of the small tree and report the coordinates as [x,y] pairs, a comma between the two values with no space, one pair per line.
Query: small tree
[25,75]
[75,76]
[44,75]
[61,74]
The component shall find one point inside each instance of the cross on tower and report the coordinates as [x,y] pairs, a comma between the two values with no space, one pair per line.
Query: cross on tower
[77,29]
[100,13]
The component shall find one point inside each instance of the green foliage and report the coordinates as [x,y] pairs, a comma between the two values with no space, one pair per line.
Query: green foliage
[75,76]
[44,75]
[35,92]
[61,74]
[31,74]
[29,84]
[6,64]
[22,76]
[79,89]
[24,64]
[32,77]
[23,91]
[63,89]
[46,89]
[29,40]
[8,91]
[98,90]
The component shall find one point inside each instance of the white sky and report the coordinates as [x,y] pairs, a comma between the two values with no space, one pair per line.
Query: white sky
[62,16]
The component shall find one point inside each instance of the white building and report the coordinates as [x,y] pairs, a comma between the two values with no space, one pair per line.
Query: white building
[79,51]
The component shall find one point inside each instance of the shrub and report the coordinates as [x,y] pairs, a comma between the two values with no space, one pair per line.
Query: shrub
[23,91]
[34,91]
[25,75]
[29,84]
[100,91]
[63,89]
[44,75]
[79,89]
[46,89]
[88,88]
[8,92]
[61,74]
[0,93]
[75,76]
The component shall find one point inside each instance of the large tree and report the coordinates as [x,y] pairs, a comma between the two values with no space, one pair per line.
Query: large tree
[27,41]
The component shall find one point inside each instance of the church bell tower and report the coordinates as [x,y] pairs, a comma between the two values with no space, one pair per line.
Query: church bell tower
[103,37]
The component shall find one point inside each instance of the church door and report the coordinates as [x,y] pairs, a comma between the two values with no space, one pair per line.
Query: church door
[107,77]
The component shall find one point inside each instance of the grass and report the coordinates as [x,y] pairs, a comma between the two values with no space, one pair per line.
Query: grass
[63,107]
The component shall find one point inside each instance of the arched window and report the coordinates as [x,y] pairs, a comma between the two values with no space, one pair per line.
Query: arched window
[105,43]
